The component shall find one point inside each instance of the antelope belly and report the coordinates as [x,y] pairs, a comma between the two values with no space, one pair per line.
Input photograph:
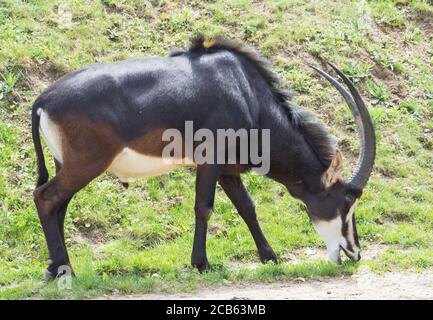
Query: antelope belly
[131,164]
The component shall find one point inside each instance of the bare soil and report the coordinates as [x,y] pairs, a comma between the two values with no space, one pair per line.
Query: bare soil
[364,285]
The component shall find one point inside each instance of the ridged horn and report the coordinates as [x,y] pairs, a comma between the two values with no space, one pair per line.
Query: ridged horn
[364,124]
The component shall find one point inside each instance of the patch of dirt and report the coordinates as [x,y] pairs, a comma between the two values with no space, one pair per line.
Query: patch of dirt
[217,230]
[95,240]
[363,285]
[425,23]
[302,254]
[395,83]
[396,216]
[382,73]
[39,77]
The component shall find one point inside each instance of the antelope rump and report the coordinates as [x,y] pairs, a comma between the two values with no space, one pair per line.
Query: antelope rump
[111,117]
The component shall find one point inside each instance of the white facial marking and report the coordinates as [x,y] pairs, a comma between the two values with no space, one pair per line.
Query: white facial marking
[350,236]
[330,232]
[50,131]
[131,164]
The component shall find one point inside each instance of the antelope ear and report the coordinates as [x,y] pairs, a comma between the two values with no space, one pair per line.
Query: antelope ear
[332,174]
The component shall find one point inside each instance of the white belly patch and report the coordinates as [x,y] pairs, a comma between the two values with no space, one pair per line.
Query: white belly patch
[127,165]
[131,164]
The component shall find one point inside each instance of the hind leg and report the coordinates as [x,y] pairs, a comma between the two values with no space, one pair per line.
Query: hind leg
[62,211]
[61,214]
[51,200]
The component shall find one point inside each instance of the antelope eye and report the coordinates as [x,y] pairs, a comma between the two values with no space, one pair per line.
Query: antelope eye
[350,198]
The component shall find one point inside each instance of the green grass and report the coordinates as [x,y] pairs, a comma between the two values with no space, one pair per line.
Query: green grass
[139,240]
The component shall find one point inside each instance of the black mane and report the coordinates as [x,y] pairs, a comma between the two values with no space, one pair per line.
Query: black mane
[315,134]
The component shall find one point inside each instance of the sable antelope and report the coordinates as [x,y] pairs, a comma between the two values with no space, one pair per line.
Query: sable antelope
[111,117]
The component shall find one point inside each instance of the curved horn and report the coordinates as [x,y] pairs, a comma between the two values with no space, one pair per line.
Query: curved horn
[364,124]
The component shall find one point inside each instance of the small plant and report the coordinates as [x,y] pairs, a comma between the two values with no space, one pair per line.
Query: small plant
[387,14]
[413,35]
[107,2]
[424,7]
[175,22]
[412,107]
[390,62]
[8,81]
[378,92]
[357,71]
[252,24]
[298,81]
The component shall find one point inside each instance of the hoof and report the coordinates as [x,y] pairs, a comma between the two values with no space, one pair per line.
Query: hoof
[267,256]
[63,270]
[48,276]
[270,259]
[202,267]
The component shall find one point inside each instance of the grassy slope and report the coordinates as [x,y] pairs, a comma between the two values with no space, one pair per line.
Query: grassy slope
[118,239]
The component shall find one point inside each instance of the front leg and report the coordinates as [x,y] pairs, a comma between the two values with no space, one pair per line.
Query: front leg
[238,194]
[207,176]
